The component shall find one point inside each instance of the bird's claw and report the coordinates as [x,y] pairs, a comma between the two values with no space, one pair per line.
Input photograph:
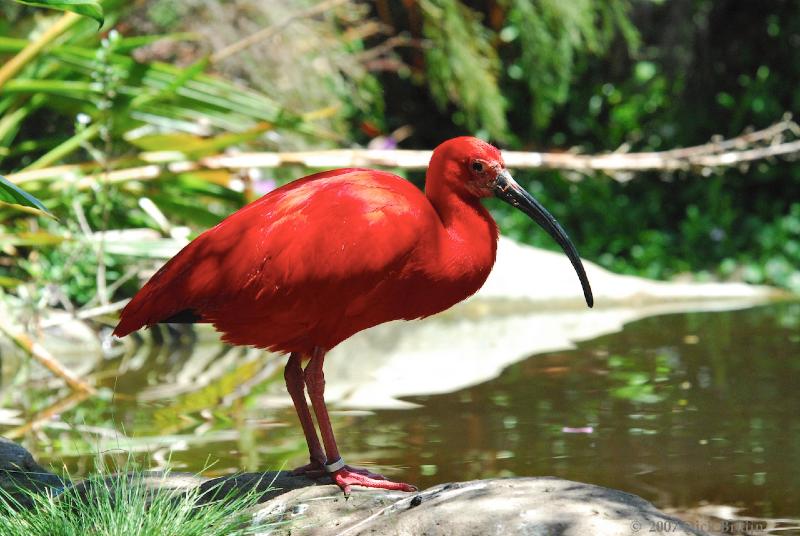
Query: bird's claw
[353,476]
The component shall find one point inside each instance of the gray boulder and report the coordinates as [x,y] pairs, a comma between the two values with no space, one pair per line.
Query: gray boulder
[292,505]
[20,472]
[493,507]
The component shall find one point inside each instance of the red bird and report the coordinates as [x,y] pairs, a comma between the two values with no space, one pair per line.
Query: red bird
[311,263]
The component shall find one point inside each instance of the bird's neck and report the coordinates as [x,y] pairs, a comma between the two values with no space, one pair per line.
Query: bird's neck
[467,238]
[464,219]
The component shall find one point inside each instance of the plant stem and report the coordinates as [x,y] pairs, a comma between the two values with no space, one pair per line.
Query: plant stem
[15,65]
[62,150]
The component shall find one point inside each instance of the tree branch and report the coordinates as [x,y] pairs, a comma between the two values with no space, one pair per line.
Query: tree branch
[779,140]
[748,147]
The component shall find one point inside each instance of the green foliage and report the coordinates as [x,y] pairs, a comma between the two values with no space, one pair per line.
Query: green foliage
[95,101]
[97,87]
[122,504]
[775,256]
[511,63]
[550,36]
[680,90]
[87,8]
[463,67]
[311,65]
[11,193]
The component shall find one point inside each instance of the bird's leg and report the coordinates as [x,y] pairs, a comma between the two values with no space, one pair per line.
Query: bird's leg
[295,384]
[343,475]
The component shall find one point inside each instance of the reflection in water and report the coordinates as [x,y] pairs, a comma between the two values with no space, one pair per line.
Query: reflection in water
[682,409]
[42,416]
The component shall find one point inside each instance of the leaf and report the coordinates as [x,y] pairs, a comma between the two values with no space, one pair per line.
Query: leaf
[197,146]
[41,238]
[11,193]
[87,8]
[9,282]
[161,248]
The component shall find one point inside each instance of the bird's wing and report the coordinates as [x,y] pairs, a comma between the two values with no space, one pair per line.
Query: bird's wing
[325,241]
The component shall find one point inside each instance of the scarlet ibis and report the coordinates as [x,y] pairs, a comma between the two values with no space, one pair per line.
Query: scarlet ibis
[311,263]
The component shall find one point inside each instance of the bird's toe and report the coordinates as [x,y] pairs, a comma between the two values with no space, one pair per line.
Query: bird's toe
[365,472]
[349,476]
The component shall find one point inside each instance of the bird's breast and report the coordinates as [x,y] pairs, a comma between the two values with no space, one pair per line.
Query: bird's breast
[450,275]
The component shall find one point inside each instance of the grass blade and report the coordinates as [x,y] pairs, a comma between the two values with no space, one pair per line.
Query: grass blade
[87,8]
[13,194]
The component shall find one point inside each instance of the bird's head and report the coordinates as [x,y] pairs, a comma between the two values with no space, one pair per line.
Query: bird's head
[467,166]
[472,168]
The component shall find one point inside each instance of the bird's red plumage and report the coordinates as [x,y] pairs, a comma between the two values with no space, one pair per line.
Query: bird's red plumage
[312,263]
[326,256]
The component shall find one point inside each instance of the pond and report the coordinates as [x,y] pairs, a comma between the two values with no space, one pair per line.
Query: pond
[683,409]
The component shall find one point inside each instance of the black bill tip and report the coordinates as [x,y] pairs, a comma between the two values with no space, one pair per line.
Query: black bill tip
[507,189]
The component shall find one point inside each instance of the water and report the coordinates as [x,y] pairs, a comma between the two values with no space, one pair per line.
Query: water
[683,409]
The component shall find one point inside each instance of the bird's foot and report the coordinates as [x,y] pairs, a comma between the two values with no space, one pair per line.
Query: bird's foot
[353,476]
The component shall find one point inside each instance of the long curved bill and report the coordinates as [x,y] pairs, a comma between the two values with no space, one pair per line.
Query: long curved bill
[507,189]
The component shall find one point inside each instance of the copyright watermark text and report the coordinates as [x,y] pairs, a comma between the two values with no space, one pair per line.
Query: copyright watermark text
[720,526]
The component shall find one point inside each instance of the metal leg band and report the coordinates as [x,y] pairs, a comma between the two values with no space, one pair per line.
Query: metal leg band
[335,466]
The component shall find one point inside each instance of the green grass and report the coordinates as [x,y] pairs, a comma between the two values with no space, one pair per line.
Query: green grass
[121,505]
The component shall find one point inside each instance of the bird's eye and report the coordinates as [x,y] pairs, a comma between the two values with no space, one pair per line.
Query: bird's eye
[477,166]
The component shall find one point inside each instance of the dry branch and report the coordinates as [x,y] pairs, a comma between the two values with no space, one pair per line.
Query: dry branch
[779,140]
[751,146]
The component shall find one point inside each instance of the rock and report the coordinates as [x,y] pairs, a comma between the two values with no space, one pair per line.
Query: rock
[493,507]
[20,472]
[292,505]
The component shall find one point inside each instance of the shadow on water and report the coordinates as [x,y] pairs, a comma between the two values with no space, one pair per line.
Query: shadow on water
[683,409]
